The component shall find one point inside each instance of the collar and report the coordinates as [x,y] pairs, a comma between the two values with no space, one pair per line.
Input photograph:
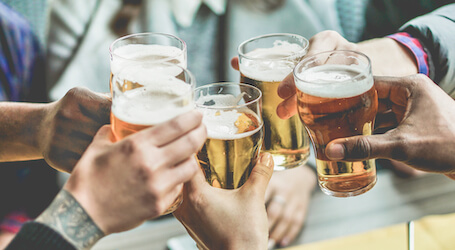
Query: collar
[185,10]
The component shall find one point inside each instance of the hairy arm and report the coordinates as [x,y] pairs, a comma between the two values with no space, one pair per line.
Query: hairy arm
[18,130]
[66,216]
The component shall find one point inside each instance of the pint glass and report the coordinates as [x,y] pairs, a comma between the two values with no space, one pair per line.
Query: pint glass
[148,94]
[264,62]
[336,98]
[232,115]
[146,47]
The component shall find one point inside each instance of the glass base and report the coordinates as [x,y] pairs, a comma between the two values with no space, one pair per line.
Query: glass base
[351,193]
[283,162]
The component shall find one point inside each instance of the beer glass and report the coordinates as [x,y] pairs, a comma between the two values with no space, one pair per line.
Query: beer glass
[264,62]
[146,47]
[336,98]
[232,115]
[148,94]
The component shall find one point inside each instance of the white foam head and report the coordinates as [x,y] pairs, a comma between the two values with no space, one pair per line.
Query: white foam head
[132,53]
[334,81]
[271,64]
[220,123]
[161,98]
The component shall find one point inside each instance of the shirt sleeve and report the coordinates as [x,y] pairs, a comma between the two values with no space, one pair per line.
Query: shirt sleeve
[34,235]
[416,48]
[436,32]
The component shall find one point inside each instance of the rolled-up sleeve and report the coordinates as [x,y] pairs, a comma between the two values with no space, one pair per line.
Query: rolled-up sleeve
[436,31]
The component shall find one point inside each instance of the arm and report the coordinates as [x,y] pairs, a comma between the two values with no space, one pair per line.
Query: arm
[59,132]
[436,31]
[102,196]
[19,130]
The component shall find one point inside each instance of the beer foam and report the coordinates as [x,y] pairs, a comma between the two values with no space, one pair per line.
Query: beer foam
[146,52]
[262,64]
[334,81]
[160,100]
[160,77]
[221,123]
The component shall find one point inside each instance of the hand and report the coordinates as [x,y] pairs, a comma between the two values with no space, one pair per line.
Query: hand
[69,125]
[387,56]
[424,135]
[227,219]
[124,183]
[287,199]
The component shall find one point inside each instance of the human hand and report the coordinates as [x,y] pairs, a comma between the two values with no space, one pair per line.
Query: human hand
[387,56]
[122,184]
[287,199]
[227,219]
[422,118]
[69,125]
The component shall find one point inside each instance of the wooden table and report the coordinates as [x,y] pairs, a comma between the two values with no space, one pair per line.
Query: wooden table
[393,200]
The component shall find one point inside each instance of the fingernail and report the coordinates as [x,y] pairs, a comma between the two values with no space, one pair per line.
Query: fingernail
[285,242]
[271,244]
[282,112]
[266,159]
[335,151]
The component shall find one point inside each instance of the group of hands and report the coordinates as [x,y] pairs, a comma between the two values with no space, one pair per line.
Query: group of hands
[121,184]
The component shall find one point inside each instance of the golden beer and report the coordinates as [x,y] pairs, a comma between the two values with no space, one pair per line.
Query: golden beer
[338,101]
[146,95]
[234,135]
[227,161]
[264,65]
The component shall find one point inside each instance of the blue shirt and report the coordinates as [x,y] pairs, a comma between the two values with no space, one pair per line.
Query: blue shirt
[20,57]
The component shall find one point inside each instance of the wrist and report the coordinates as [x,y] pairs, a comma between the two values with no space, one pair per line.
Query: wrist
[68,218]
[19,132]
[388,57]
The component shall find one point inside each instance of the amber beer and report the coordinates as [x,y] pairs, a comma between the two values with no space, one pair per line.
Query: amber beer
[264,62]
[337,101]
[147,95]
[234,134]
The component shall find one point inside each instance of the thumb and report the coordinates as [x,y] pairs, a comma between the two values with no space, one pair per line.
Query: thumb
[358,148]
[261,174]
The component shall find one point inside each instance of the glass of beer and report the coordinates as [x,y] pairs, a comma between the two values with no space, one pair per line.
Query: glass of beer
[148,94]
[146,47]
[232,115]
[264,62]
[336,98]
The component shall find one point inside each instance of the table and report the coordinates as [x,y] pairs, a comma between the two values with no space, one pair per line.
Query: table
[392,201]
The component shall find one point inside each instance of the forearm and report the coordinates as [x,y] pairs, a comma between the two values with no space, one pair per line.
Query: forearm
[388,57]
[68,218]
[19,128]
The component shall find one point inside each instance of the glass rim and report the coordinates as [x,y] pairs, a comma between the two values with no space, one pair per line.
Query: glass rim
[312,57]
[190,81]
[241,54]
[144,34]
[207,86]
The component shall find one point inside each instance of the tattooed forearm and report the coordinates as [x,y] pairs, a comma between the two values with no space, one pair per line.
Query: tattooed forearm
[66,216]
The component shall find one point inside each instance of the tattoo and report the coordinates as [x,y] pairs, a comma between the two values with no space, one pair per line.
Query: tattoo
[68,218]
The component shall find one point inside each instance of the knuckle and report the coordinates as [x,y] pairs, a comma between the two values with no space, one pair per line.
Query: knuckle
[359,149]
[176,125]
[128,146]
